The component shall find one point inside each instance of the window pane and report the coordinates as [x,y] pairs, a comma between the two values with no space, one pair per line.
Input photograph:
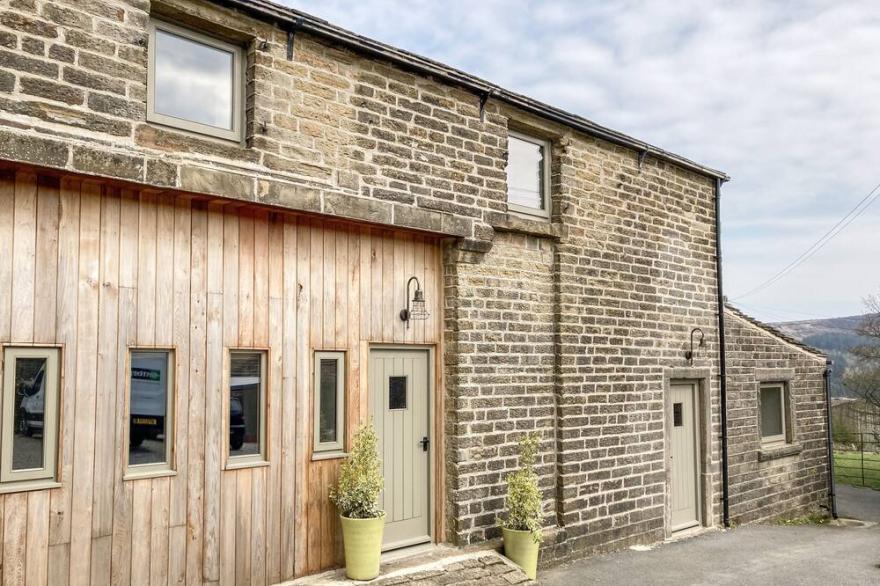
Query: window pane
[771,411]
[30,394]
[397,392]
[245,403]
[327,398]
[525,170]
[193,81]
[149,401]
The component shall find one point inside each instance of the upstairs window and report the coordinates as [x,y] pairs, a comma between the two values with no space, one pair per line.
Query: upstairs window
[194,82]
[30,413]
[774,408]
[528,175]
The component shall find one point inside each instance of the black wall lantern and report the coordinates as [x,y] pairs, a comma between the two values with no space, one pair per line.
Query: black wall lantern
[415,309]
[689,355]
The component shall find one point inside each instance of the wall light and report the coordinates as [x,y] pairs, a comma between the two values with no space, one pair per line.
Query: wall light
[689,355]
[415,309]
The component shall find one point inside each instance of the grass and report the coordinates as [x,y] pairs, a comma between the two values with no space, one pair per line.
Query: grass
[848,469]
[817,518]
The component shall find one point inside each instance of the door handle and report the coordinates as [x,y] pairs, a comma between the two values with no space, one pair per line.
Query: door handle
[424,443]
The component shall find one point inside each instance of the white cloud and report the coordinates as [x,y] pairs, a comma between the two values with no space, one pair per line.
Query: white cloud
[783,96]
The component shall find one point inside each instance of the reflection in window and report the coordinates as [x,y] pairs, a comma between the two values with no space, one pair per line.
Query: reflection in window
[149,431]
[329,401]
[194,81]
[27,445]
[526,174]
[30,413]
[773,427]
[246,399]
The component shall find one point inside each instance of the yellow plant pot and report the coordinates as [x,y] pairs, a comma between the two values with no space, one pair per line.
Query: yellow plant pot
[522,549]
[362,540]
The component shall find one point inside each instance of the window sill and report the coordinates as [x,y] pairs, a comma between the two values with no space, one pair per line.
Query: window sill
[236,465]
[137,475]
[28,485]
[533,225]
[774,452]
[329,456]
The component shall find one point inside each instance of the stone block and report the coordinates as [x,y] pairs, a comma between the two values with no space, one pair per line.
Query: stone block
[107,164]
[358,208]
[33,149]
[290,196]
[216,182]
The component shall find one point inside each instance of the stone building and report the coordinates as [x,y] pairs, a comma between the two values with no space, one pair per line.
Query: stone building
[777,422]
[212,214]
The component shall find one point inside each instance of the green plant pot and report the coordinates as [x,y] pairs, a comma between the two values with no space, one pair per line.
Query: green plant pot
[522,549]
[362,541]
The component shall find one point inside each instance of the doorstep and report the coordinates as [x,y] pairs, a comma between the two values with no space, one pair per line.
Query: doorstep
[436,564]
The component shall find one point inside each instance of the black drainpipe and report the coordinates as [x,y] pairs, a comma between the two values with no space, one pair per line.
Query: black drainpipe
[722,361]
[832,497]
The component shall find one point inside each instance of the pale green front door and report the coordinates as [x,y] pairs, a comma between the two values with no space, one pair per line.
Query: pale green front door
[399,396]
[684,457]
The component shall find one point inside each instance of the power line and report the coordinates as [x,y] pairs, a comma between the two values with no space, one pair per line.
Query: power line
[779,311]
[839,227]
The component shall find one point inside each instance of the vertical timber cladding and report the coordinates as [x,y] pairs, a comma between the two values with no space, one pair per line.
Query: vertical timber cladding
[95,269]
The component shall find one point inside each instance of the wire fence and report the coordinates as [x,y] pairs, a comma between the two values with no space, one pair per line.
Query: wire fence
[857,459]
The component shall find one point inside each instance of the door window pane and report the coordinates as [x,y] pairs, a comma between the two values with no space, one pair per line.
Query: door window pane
[525,173]
[148,407]
[397,392]
[30,392]
[193,80]
[771,412]
[246,403]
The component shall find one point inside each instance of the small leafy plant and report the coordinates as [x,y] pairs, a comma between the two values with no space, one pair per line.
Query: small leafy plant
[360,478]
[524,511]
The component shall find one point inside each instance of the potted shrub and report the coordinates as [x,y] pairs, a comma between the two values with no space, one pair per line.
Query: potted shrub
[356,496]
[522,527]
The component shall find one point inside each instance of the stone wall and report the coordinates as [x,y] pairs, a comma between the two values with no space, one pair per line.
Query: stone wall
[632,272]
[789,480]
[328,131]
[500,375]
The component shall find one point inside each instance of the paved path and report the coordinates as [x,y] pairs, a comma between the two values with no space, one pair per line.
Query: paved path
[757,554]
[858,503]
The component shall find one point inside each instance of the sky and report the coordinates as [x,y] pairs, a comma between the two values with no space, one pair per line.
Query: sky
[783,96]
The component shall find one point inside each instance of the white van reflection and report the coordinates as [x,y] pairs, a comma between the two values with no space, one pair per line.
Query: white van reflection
[149,375]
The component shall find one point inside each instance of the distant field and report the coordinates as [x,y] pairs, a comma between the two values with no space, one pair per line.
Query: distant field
[848,469]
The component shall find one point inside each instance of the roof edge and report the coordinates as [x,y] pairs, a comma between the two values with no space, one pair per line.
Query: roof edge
[775,332]
[290,19]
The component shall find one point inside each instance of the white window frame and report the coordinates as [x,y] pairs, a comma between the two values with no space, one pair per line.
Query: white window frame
[52,355]
[783,399]
[545,183]
[337,447]
[261,457]
[235,134]
[157,468]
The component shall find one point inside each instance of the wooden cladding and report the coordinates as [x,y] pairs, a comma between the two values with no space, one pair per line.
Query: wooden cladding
[98,270]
